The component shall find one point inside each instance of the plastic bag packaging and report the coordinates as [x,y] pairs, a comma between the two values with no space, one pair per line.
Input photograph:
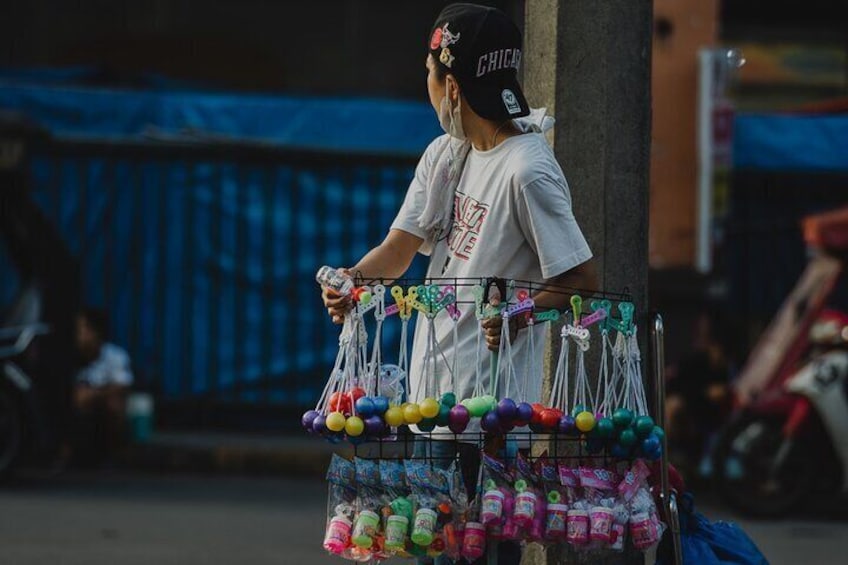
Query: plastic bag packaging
[341,500]
[367,534]
[397,507]
[557,505]
[498,498]
[431,497]
[529,510]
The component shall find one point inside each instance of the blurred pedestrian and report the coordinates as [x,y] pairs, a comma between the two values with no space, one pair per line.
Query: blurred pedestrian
[101,389]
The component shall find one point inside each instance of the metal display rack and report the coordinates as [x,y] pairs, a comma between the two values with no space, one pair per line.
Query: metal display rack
[401,446]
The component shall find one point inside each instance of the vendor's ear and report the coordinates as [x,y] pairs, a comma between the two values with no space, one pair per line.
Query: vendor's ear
[452,87]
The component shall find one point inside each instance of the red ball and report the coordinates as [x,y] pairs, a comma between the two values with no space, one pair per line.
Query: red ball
[355,394]
[549,419]
[339,403]
[537,414]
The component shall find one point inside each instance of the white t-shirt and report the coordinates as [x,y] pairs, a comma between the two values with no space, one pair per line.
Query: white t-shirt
[512,219]
[112,367]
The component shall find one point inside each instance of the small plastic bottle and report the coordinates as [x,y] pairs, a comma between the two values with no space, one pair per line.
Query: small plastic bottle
[334,279]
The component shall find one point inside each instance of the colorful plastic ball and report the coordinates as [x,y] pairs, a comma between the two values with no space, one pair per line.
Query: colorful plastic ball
[365,407]
[354,426]
[655,454]
[429,408]
[578,408]
[490,422]
[459,418]
[524,414]
[490,401]
[585,421]
[365,297]
[427,424]
[412,413]
[620,451]
[622,418]
[549,419]
[355,394]
[644,426]
[659,432]
[448,399]
[307,419]
[335,421]
[443,419]
[394,416]
[374,425]
[604,428]
[381,404]
[319,424]
[650,444]
[478,407]
[627,438]
[566,424]
[507,410]
[339,402]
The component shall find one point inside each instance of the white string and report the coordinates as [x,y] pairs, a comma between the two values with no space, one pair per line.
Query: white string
[530,365]
[559,390]
[479,363]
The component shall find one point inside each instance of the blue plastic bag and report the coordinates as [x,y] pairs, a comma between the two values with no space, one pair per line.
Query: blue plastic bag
[713,543]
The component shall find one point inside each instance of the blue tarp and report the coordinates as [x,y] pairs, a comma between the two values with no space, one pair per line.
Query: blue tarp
[338,124]
[791,142]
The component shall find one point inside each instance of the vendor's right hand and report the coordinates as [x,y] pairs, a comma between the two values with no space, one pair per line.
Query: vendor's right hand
[336,304]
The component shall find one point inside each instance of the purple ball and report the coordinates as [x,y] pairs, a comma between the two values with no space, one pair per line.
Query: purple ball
[507,410]
[566,424]
[490,422]
[319,424]
[524,413]
[458,418]
[308,418]
[374,425]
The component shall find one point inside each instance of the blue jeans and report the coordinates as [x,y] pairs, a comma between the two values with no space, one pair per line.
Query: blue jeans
[443,453]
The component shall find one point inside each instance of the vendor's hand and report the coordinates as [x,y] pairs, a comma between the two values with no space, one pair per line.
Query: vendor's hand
[492,328]
[336,304]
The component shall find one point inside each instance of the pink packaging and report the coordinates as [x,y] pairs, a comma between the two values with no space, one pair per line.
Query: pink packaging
[577,527]
[617,536]
[525,508]
[600,524]
[643,531]
[555,526]
[492,506]
[337,538]
[474,541]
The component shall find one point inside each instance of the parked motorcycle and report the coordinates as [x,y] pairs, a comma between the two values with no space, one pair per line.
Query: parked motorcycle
[786,441]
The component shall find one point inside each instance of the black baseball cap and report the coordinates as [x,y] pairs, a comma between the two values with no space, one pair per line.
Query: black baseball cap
[481,47]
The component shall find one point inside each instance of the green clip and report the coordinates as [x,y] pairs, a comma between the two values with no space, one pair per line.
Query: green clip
[625,325]
[576,308]
[548,316]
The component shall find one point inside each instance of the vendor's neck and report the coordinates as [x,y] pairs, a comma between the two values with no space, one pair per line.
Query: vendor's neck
[485,135]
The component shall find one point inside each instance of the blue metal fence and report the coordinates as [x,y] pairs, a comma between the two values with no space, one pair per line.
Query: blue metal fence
[205,255]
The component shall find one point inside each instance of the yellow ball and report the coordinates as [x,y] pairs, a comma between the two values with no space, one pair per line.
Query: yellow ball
[585,421]
[394,416]
[354,426]
[412,414]
[335,421]
[429,408]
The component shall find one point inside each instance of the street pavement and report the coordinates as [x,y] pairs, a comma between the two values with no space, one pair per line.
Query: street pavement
[123,518]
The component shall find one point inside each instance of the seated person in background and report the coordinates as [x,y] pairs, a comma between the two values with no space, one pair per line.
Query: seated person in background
[101,388]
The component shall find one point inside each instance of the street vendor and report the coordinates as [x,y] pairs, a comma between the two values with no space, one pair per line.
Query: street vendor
[488,199]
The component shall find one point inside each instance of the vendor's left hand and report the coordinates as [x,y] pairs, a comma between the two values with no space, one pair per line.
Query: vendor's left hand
[492,329]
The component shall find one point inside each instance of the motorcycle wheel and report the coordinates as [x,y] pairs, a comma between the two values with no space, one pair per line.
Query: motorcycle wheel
[11,432]
[746,472]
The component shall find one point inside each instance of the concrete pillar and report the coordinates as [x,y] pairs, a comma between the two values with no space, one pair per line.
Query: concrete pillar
[589,63]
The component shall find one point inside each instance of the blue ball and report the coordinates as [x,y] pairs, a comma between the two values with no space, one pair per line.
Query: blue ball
[651,444]
[524,413]
[381,404]
[365,407]
[620,451]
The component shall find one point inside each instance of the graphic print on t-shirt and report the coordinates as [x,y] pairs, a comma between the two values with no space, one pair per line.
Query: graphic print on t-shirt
[468,217]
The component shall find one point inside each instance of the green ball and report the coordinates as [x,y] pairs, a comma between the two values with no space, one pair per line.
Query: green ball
[659,432]
[427,424]
[577,410]
[644,426]
[491,402]
[604,428]
[622,417]
[627,437]
[478,407]
[448,399]
[443,419]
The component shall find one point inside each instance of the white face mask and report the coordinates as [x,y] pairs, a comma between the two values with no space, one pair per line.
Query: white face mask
[450,118]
